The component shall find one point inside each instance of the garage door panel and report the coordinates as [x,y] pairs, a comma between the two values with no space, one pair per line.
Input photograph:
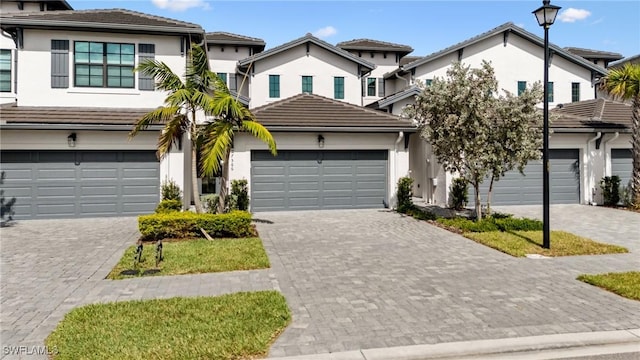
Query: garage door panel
[81,183]
[319,179]
[622,165]
[265,170]
[517,189]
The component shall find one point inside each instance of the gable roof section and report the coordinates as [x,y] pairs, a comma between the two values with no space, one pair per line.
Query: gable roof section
[401,95]
[510,27]
[598,114]
[594,54]
[635,59]
[225,38]
[308,38]
[120,20]
[309,112]
[52,117]
[374,45]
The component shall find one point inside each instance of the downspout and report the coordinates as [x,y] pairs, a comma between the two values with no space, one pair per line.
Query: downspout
[400,77]
[395,160]
[607,156]
[592,180]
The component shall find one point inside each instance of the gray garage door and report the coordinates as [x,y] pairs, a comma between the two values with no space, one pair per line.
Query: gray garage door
[622,165]
[66,184]
[305,180]
[515,189]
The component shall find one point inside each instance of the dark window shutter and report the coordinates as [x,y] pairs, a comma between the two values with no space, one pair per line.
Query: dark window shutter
[233,82]
[60,64]
[146,52]
[363,85]
[380,87]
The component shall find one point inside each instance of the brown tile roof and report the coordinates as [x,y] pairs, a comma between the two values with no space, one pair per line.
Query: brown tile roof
[11,115]
[594,54]
[117,19]
[594,114]
[221,37]
[376,45]
[312,111]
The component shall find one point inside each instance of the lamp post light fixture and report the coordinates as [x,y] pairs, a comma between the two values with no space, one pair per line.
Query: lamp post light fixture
[546,15]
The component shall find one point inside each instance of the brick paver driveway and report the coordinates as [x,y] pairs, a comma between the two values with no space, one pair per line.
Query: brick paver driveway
[353,279]
[370,278]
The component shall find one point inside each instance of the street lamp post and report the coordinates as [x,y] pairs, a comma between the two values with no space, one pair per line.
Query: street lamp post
[546,15]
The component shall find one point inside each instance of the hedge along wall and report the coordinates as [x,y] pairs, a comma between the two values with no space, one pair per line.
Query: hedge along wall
[187,225]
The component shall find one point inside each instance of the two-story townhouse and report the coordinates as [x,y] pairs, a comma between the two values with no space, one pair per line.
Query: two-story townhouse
[332,152]
[386,56]
[517,57]
[65,146]
[8,59]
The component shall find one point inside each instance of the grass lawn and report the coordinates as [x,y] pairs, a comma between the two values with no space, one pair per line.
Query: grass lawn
[625,284]
[235,326]
[196,256]
[520,243]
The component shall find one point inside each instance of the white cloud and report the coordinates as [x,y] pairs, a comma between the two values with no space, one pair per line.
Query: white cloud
[325,32]
[572,15]
[181,5]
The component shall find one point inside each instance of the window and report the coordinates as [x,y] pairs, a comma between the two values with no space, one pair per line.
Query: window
[550,91]
[338,87]
[575,92]
[371,86]
[428,82]
[223,77]
[522,86]
[104,64]
[5,70]
[307,84]
[274,86]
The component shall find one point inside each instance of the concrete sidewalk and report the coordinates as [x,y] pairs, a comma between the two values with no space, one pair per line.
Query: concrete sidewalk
[530,347]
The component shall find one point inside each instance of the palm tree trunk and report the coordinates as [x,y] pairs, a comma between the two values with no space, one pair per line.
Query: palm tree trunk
[223,185]
[194,178]
[635,150]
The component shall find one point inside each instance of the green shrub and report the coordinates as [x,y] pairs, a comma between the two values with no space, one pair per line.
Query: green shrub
[187,225]
[239,197]
[459,194]
[210,202]
[171,191]
[499,215]
[610,186]
[404,193]
[511,224]
[166,206]
[420,214]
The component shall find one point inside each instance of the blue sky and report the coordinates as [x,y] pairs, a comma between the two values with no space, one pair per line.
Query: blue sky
[427,26]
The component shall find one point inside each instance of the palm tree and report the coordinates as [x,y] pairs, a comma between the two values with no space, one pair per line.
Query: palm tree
[186,97]
[624,83]
[230,116]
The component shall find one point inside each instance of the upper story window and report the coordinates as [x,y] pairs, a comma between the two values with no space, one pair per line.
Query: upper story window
[371,86]
[522,86]
[223,77]
[274,86]
[575,92]
[338,87]
[428,82]
[550,91]
[307,84]
[5,70]
[100,64]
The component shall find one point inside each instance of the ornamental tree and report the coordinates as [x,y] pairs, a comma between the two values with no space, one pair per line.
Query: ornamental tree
[475,131]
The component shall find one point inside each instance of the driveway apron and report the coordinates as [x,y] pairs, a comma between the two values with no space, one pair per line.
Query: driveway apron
[371,278]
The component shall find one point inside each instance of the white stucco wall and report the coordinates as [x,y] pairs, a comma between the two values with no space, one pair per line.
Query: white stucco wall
[240,160]
[294,63]
[34,71]
[224,59]
[519,60]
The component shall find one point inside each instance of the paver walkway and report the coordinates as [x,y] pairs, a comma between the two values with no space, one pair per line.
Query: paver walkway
[49,267]
[353,279]
[370,279]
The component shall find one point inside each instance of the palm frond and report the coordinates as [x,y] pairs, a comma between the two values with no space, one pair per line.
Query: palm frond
[161,115]
[171,134]
[180,97]
[217,143]
[259,131]
[165,78]
[623,83]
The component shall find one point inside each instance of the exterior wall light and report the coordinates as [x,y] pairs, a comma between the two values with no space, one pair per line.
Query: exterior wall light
[320,141]
[71,140]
